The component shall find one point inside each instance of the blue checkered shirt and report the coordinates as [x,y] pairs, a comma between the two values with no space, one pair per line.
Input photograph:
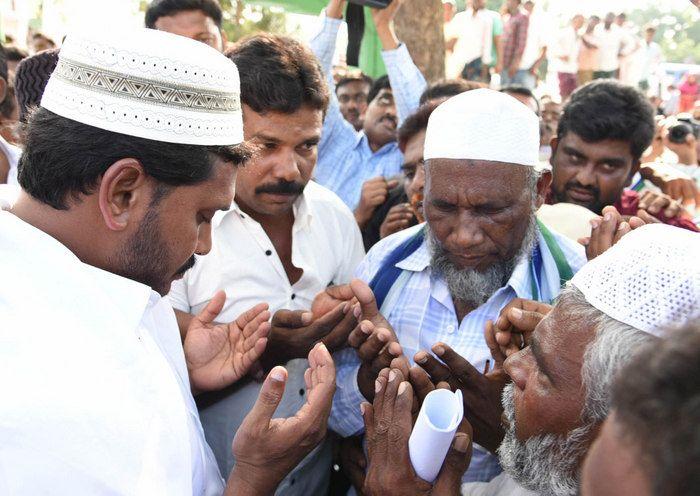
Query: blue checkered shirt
[423,314]
[345,160]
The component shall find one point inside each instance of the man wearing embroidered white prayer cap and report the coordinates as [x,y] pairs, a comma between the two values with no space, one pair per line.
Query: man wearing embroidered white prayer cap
[480,248]
[646,284]
[134,147]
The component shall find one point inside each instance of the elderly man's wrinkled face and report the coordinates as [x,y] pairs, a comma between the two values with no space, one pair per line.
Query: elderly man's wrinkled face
[545,439]
[481,219]
[613,465]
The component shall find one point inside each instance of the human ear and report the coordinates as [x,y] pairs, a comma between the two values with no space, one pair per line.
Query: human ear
[543,184]
[123,191]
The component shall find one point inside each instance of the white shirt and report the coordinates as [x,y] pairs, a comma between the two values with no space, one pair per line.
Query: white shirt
[96,393]
[12,153]
[567,46]
[327,246]
[537,38]
[610,42]
[651,59]
[502,485]
[474,35]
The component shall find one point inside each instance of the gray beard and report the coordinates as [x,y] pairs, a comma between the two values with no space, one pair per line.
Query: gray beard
[548,463]
[469,285]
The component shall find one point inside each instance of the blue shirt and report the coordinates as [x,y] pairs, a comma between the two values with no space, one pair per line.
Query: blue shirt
[423,313]
[345,159]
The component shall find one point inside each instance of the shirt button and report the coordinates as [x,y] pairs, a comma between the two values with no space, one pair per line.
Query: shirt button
[293,296]
[450,328]
[268,252]
[301,392]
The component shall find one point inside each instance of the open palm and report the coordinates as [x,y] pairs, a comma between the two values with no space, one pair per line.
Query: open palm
[218,355]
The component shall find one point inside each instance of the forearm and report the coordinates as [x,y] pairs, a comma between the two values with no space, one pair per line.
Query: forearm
[407,82]
[241,483]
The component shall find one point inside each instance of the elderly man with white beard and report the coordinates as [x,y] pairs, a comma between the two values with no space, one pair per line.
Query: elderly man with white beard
[560,393]
[480,248]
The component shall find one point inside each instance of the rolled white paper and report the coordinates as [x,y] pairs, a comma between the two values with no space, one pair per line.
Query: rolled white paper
[437,422]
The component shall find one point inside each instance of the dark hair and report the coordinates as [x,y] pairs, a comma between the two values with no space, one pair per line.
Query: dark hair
[364,78]
[415,123]
[42,36]
[523,91]
[63,158]
[9,104]
[164,8]
[278,74]
[14,53]
[381,83]
[31,78]
[449,88]
[657,404]
[607,109]
[3,63]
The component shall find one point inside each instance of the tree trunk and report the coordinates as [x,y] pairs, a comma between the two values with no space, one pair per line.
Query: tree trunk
[419,24]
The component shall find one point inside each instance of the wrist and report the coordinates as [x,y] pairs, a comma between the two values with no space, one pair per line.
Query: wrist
[335,9]
[362,215]
[246,481]
[387,37]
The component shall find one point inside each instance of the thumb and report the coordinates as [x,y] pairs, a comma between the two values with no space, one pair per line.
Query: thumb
[455,464]
[213,308]
[365,296]
[340,292]
[392,183]
[292,318]
[523,320]
[269,397]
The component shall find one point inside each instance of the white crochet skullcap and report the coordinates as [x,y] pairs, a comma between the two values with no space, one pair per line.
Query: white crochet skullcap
[649,280]
[150,84]
[483,124]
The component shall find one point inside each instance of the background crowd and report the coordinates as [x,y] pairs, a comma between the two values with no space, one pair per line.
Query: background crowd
[246,264]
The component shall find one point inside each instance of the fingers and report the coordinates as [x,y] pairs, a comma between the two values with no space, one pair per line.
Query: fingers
[623,229]
[367,412]
[458,365]
[490,336]
[340,292]
[315,411]
[421,382]
[456,462]
[635,222]
[365,296]
[647,217]
[250,321]
[338,337]
[291,318]
[269,398]
[370,349]
[360,334]
[401,363]
[437,371]
[213,308]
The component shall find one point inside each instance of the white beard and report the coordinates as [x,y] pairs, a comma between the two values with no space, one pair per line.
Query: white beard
[548,463]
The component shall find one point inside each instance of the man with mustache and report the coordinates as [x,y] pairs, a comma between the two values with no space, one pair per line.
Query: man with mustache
[480,247]
[359,166]
[603,131]
[125,163]
[283,241]
[352,91]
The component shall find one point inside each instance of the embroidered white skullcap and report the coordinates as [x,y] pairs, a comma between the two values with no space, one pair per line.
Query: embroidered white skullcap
[649,280]
[150,84]
[483,124]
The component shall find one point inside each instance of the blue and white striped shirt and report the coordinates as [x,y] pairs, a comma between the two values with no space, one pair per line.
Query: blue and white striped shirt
[423,313]
[345,160]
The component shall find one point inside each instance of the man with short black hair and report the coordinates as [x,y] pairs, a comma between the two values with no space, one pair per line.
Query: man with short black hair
[358,166]
[118,193]
[524,95]
[196,19]
[603,131]
[352,93]
[657,392]
[284,240]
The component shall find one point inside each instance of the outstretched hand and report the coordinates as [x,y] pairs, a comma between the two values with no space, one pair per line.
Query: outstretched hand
[218,355]
[388,425]
[267,449]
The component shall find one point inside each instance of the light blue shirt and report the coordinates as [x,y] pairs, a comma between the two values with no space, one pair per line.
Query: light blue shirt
[345,160]
[423,313]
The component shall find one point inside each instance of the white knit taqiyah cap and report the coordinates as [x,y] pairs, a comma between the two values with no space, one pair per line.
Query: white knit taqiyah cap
[150,84]
[649,280]
[483,124]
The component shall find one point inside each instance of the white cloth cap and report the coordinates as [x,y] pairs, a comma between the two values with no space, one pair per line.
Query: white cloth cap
[483,124]
[569,219]
[649,280]
[150,84]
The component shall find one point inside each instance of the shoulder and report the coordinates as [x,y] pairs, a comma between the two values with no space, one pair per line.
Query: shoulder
[574,253]
[325,203]
[376,255]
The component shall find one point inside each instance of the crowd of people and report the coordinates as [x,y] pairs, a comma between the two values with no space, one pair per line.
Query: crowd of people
[245,271]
